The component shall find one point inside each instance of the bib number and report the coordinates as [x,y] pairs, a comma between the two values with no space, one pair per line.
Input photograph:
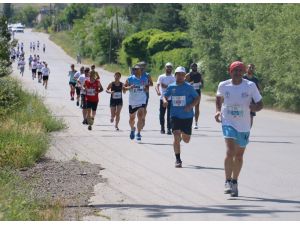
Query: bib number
[178,101]
[117,95]
[90,92]
[197,85]
[235,111]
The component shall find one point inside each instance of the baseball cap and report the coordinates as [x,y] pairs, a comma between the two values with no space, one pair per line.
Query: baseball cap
[168,64]
[236,64]
[180,69]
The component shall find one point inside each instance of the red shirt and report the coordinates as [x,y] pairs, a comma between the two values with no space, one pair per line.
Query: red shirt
[92,90]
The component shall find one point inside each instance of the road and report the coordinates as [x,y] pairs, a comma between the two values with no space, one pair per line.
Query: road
[142,182]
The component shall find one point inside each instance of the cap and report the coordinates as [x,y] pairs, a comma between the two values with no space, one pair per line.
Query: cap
[194,64]
[180,69]
[236,64]
[168,64]
[136,67]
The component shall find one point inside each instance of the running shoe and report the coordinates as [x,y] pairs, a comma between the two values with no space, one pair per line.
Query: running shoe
[162,131]
[77,103]
[228,187]
[196,126]
[178,164]
[234,190]
[89,127]
[85,122]
[138,137]
[72,99]
[169,132]
[117,128]
[132,134]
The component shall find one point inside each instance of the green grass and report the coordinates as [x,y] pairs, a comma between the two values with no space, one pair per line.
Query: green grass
[25,124]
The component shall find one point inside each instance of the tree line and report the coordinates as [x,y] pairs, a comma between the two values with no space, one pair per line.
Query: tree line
[213,35]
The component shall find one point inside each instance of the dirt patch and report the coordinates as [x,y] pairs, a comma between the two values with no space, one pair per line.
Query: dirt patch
[71,183]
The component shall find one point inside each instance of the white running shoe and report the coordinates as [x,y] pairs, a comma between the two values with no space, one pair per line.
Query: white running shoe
[234,190]
[228,187]
[196,126]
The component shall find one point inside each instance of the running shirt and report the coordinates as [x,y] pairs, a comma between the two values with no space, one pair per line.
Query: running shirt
[34,65]
[181,96]
[76,76]
[196,80]
[81,80]
[117,91]
[237,98]
[92,90]
[21,64]
[253,79]
[45,71]
[137,95]
[39,67]
[71,75]
[166,80]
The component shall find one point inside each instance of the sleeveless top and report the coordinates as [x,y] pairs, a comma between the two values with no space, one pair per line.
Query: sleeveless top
[117,95]
[196,78]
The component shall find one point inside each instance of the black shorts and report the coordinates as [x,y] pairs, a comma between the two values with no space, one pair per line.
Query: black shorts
[33,71]
[72,83]
[131,110]
[198,92]
[115,102]
[45,77]
[91,105]
[184,125]
[77,90]
[84,106]
[40,73]
[252,113]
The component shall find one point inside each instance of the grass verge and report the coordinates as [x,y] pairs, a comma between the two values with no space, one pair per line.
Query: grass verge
[25,124]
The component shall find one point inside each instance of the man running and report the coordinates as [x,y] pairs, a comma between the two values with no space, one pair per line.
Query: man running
[30,59]
[45,73]
[38,45]
[250,75]
[21,66]
[116,100]
[34,68]
[233,106]
[136,84]
[44,48]
[39,71]
[183,99]
[163,82]
[72,81]
[94,71]
[77,87]
[80,82]
[30,46]
[92,87]
[195,79]
[143,66]
[78,57]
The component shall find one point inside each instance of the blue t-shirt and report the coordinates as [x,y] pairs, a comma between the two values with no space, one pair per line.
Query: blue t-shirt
[181,95]
[137,94]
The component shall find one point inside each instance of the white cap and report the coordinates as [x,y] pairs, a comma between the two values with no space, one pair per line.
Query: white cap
[180,69]
[168,64]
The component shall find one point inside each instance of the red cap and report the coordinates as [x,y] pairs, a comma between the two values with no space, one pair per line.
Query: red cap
[237,64]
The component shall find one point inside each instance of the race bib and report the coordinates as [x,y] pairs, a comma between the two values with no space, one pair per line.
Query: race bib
[235,111]
[138,89]
[136,106]
[90,92]
[117,95]
[197,85]
[178,101]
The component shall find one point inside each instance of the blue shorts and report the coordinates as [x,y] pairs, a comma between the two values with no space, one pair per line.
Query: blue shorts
[241,138]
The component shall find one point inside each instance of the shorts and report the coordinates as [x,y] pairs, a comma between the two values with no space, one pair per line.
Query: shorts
[184,125]
[33,71]
[240,138]
[40,73]
[84,102]
[133,110]
[91,105]
[252,113]
[77,90]
[72,83]
[147,99]
[115,102]
[45,77]
[198,92]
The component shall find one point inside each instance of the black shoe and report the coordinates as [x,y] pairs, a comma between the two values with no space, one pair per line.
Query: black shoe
[85,122]
[77,103]
[162,131]
[72,98]
[178,164]
[169,132]
[90,127]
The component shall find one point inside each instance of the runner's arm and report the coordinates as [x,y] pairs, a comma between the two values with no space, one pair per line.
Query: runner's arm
[187,78]
[127,86]
[255,107]
[219,101]
[108,89]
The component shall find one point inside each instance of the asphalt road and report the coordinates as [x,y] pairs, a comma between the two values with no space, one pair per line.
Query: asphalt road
[142,182]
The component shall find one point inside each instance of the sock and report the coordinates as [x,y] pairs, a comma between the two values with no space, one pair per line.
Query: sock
[228,180]
[234,181]
[178,157]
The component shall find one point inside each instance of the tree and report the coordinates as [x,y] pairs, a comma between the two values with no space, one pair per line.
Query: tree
[7,11]
[4,48]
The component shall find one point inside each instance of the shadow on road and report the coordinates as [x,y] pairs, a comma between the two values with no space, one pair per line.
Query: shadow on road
[202,167]
[273,142]
[159,211]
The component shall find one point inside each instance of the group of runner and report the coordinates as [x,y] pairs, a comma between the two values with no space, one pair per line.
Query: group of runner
[36,46]
[236,103]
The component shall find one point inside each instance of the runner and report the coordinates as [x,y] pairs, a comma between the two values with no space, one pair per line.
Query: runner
[137,100]
[77,87]
[33,68]
[38,58]
[183,99]
[78,58]
[39,71]
[33,46]
[22,47]
[46,73]
[233,106]
[163,82]
[195,79]
[80,82]
[250,75]
[30,46]
[30,59]
[38,45]
[44,48]
[94,71]
[143,66]
[93,87]
[72,81]
[116,101]
[21,66]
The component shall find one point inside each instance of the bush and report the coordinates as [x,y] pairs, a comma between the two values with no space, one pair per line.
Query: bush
[167,41]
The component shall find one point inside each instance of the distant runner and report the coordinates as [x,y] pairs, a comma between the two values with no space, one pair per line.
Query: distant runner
[21,66]
[72,81]
[46,73]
